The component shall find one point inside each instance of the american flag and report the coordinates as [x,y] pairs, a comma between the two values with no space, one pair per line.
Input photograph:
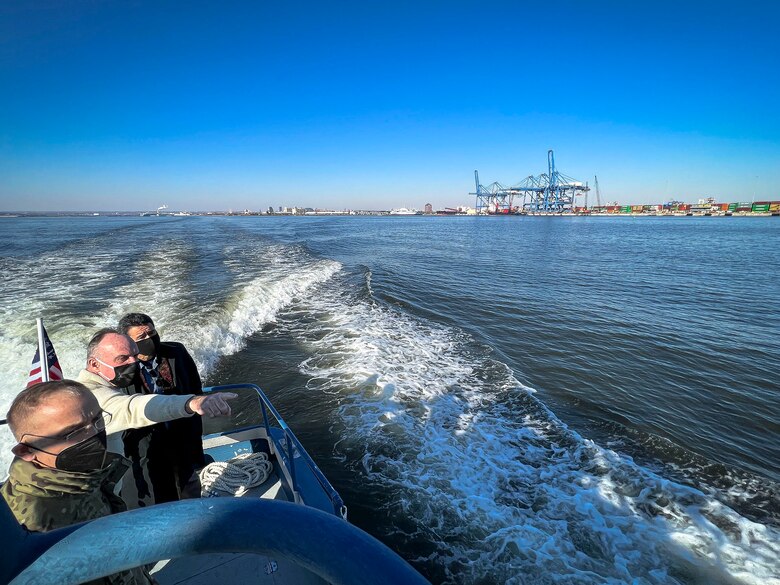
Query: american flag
[55,372]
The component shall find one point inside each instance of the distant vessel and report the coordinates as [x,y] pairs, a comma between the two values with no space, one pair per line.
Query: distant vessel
[404,211]
[157,213]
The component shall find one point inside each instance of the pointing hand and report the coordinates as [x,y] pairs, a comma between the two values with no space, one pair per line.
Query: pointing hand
[212,405]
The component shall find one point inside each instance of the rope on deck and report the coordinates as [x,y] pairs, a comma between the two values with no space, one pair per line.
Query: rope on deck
[235,476]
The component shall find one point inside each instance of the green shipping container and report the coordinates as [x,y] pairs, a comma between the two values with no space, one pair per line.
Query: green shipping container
[625,209]
[732,206]
[760,207]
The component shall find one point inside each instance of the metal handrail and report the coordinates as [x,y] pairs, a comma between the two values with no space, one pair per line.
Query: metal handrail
[292,445]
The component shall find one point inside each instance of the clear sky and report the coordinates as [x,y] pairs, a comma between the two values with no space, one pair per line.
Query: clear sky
[214,105]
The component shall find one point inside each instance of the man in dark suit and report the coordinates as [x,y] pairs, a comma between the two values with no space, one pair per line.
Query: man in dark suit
[165,455]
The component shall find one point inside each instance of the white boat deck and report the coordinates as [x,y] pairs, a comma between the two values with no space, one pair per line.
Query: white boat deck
[240,568]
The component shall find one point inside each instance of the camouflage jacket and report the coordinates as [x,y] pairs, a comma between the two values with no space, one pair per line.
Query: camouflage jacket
[44,499]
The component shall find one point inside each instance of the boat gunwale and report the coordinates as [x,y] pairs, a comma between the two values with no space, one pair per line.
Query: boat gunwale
[285,456]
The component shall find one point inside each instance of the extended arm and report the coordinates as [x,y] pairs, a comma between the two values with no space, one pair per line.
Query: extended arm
[139,410]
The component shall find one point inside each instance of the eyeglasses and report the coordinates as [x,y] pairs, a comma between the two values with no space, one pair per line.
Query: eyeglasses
[93,427]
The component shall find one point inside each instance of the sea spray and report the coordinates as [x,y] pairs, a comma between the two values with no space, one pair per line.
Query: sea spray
[501,487]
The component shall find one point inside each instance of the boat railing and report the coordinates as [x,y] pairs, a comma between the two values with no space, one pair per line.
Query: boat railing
[336,551]
[291,447]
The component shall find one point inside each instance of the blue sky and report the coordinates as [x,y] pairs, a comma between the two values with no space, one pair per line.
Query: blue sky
[129,105]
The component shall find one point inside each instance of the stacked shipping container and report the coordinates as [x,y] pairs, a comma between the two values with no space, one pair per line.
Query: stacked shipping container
[700,208]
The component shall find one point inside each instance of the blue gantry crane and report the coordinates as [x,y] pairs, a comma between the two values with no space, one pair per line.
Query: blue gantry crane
[551,192]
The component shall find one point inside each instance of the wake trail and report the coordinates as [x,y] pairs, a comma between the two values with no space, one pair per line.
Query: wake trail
[495,483]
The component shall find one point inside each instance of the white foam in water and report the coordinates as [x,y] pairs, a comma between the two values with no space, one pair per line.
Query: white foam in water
[503,490]
[255,305]
[211,332]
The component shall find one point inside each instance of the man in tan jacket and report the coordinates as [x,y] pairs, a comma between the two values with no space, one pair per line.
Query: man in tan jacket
[111,368]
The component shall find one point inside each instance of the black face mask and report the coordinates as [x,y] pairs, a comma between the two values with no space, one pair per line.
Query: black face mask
[124,376]
[149,346]
[84,457]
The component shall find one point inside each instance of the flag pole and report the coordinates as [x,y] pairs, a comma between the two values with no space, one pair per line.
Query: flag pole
[42,351]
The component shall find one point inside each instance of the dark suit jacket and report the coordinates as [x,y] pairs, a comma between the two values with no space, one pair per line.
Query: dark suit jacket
[185,432]
[173,449]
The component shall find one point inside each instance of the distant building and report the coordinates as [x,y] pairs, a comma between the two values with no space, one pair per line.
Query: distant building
[428,209]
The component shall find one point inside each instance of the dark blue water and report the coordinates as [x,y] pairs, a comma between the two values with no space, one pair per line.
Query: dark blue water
[500,399]
[666,326]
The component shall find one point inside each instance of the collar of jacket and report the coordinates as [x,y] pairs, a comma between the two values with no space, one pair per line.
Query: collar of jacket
[28,478]
[91,379]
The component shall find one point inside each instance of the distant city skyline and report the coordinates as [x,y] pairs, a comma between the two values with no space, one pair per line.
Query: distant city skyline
[118,107]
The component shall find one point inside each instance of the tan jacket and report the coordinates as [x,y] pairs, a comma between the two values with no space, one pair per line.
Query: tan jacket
[132,411]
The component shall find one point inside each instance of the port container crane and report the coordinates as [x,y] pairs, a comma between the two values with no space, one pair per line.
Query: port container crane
[551,192]
[598,193]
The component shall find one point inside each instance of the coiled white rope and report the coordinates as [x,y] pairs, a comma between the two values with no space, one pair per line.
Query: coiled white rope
[235,476]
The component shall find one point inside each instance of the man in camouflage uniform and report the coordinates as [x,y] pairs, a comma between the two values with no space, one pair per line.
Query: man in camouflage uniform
[62,473]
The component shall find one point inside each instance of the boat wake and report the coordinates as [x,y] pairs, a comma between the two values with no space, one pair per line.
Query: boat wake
[498,488]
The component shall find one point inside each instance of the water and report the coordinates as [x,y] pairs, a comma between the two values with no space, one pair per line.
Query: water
[501,400]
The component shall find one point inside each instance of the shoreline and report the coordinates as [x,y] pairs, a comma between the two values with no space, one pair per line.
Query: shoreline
[55,214]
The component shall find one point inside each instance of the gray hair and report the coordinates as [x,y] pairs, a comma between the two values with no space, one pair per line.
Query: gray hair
[97,338]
